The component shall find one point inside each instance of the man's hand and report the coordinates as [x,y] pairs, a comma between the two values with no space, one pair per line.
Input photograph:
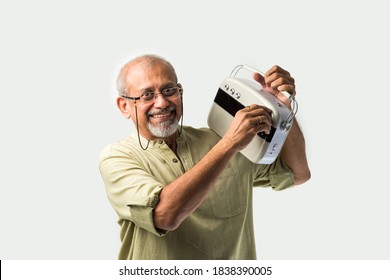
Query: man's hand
[246,124]
[276,80]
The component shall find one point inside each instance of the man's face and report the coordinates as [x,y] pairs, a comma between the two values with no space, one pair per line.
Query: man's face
[160,117]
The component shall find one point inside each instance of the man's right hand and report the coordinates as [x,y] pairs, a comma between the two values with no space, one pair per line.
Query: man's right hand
[246,124]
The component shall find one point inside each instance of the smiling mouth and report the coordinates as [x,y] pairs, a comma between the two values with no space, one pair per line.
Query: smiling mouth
[162,115]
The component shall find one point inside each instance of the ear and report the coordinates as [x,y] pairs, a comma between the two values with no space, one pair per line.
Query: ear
[181,89]
[181,100]
[124,107]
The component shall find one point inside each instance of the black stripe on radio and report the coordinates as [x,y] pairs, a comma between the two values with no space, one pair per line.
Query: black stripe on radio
[231,105]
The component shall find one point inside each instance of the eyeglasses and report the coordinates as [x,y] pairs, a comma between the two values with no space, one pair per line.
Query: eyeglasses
[171,93]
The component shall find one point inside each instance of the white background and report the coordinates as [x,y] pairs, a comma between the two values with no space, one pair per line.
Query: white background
[58,64]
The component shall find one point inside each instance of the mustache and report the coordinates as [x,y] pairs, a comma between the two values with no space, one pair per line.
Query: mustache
[165,110]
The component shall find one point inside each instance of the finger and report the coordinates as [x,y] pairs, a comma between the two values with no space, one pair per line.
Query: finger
[277,72]
[277,79]
[261,120]
[264,128]
[256,110]
[282,84]
[276,69]
[259,109]
[260,116]
[259,78]
[289,88]
[261,127]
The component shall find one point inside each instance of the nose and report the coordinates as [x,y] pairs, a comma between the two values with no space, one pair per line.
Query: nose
[160,101]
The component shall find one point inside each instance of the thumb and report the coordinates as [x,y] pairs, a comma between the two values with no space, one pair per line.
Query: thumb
[259,78]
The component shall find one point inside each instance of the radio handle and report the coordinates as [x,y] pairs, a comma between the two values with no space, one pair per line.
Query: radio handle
[254,70]
[286,124]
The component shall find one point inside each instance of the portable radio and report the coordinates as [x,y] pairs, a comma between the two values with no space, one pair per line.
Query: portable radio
[235,94]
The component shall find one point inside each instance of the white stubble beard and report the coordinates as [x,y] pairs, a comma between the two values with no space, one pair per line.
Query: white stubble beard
[164,129]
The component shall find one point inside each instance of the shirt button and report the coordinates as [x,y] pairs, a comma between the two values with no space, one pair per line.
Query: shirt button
[160,141]
[175,160]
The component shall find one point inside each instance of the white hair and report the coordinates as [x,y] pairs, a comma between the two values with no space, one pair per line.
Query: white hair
[149,59]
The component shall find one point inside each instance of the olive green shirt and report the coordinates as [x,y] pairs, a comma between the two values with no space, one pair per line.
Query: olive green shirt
[222,226]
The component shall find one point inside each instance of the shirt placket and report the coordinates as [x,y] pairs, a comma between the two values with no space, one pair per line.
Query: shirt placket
[184,155]
[170,157]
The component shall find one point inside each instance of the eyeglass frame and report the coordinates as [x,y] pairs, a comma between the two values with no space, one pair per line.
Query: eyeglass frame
[135,98]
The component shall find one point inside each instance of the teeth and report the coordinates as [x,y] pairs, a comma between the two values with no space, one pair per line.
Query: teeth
[160,116]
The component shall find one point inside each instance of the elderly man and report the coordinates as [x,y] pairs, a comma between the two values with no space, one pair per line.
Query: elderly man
[186,193]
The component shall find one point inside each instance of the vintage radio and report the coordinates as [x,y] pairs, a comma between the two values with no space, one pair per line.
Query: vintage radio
[235,94]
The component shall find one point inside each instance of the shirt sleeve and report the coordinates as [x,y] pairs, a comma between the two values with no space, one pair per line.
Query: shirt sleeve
[132,192]
[276,175]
